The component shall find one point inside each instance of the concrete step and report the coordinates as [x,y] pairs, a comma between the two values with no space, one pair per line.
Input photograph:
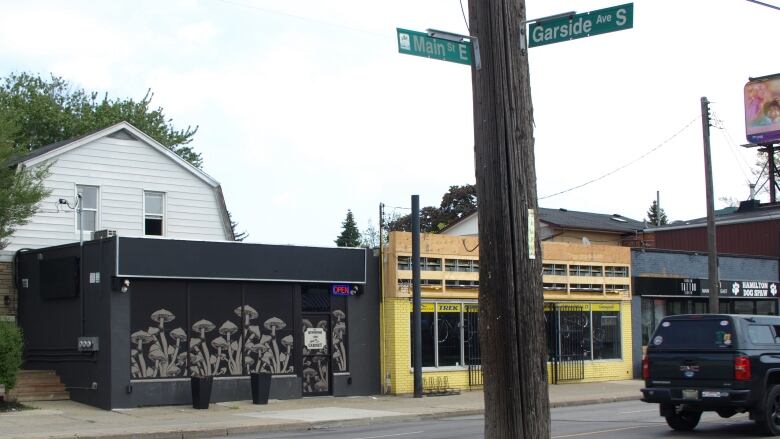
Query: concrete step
[38,385]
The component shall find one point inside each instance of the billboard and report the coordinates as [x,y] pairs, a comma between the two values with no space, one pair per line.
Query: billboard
[762,109]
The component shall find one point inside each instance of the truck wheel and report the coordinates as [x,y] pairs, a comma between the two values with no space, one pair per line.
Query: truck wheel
[684,421]
[769,419]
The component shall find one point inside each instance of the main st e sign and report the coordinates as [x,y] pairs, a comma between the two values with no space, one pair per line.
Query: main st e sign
[581,25]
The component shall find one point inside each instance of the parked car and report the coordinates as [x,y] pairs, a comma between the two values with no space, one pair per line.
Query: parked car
[715,362]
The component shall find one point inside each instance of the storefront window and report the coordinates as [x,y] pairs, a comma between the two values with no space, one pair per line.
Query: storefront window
[606,332]
[449,334]
[588,331]
[744,307]
[448,338]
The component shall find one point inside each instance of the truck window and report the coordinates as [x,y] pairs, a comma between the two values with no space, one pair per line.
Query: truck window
[694,334]
[761,334]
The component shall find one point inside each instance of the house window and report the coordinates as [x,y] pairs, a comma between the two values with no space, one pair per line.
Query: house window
[154,213]
[430,264]
[89,208]
[585,270]
[404,262]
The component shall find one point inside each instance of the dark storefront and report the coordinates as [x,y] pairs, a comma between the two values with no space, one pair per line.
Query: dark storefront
[668,282]
[160,311]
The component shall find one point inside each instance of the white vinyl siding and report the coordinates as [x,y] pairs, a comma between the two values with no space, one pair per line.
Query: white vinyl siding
[122,170]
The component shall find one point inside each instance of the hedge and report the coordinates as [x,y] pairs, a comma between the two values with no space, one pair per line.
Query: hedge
[11,344]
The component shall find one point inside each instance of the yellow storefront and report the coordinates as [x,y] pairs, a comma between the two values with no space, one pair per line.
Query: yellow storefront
[587,307]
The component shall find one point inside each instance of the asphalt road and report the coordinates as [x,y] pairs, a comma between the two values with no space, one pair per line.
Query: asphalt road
[623,420]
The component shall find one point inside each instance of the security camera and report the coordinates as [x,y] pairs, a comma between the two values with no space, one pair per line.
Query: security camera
[125,285]
[62,201]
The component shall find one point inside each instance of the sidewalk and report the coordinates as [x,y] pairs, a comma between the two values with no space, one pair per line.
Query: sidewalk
[67,419]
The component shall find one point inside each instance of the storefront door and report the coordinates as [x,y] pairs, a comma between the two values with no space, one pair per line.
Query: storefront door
[315,354]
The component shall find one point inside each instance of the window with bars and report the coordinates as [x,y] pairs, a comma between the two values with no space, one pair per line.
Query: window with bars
[463,265]
[586,288]
[585,270]
[463,284]
[612,271]
[554,269]
[554,287]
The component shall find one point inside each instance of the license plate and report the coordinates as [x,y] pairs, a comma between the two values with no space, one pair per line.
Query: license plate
[690,394]
[706,394]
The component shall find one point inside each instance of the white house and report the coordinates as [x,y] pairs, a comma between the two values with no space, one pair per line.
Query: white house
[128,183]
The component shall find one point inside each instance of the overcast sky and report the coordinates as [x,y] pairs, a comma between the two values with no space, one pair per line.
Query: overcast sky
[306,108]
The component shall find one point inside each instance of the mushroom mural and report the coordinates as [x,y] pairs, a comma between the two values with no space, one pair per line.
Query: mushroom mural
[163,350]
[236,347]
[233,349]
[263,348]
[338,335]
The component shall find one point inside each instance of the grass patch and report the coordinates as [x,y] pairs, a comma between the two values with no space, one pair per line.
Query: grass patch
[12,406]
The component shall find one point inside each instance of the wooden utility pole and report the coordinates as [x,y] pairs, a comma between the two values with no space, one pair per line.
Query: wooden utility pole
[511,304]
[712,248]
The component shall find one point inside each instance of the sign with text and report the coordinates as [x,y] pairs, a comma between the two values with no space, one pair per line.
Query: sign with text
[314,339]
[582,25]
[762,110]
[421,44]
[651,286]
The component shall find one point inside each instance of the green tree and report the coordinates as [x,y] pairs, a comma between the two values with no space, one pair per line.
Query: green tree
[369,236]
[350,235]
[20,191]
[11,344]
[456,203]
[656,216]
[46,111]
[239,236]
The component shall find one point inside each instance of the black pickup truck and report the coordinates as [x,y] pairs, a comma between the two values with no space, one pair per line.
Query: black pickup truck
[715,362]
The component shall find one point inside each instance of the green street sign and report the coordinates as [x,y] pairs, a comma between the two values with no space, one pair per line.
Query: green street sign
[421,44]
[582,25]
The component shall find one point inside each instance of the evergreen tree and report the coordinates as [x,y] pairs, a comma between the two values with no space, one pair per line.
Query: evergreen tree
[239,236]
[655,216]
[350,235]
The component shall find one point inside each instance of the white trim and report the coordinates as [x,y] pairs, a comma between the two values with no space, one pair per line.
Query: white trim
[164,223]
[136,132]
[248,279]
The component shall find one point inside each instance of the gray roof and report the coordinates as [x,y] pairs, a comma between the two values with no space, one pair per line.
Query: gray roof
[747,213]
[569,219]
[44,149]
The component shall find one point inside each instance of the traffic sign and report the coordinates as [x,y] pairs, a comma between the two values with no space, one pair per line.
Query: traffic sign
[583,25]
[421,44]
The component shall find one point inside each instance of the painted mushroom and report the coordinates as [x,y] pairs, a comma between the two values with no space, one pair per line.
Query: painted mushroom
[248,313]
[162,316]
[156,354]
[227,329]
[287,342]
[202,327]
[141,338]
[309,373]
[273,324]
[339,315]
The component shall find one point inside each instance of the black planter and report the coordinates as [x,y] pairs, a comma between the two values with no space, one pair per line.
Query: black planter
[261,387]
[201,391]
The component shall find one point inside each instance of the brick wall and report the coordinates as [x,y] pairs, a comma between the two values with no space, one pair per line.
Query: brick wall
[7,290]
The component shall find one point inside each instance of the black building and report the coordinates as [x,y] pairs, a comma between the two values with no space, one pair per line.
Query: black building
[668,282]
[126,322]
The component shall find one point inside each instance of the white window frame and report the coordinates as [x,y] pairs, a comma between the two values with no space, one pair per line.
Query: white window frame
[80,207]
[154,215]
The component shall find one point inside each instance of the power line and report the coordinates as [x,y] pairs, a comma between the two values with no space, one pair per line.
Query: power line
[732,148]
[765,4]
[626,165]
